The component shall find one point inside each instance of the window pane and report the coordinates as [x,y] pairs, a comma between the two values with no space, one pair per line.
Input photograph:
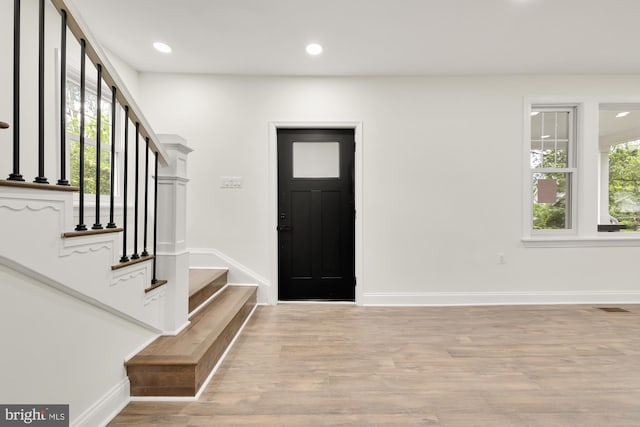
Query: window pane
[551,192]
[550,133]
[90,168]
[316,160]
[91,133]
[624,184]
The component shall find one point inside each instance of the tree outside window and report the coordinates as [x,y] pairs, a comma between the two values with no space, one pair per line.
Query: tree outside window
[91,132]
[624,184]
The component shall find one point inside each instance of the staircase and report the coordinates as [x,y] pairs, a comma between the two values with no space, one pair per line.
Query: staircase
[178,366]
[116,252]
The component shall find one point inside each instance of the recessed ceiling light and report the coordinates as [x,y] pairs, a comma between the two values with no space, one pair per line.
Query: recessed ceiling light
[535,113]
[162,47]
[623,114]
[546,136]
[314,49]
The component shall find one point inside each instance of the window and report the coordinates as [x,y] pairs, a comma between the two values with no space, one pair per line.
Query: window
[552,167]
[73,135]
[581,170]
[619,146]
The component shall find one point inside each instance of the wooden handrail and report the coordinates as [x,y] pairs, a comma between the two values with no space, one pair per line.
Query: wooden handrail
[4,125]
[80,31]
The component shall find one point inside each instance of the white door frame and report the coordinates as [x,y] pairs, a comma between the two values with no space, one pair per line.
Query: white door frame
[273,199]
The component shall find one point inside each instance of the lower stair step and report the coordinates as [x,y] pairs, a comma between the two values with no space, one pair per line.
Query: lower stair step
[179,365]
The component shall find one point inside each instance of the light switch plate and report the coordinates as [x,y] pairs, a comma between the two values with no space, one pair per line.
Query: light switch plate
[233,182]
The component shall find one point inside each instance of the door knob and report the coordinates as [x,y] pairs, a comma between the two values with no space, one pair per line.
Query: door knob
[4,125]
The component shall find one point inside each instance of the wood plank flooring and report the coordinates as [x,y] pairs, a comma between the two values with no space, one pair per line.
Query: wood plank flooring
[343,365]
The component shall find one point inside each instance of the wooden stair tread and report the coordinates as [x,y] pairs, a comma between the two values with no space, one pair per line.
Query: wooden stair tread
[190,345]
[201,277]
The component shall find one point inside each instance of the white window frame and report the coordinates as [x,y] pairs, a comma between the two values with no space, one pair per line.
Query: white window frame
[571,170]
[586,191]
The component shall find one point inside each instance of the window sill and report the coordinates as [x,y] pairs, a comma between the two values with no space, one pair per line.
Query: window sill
[620,240]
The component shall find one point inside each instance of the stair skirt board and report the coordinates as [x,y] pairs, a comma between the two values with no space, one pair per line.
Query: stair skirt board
[206,381]
[208,300]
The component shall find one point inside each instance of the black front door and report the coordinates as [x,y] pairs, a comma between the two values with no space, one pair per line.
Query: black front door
[316,214]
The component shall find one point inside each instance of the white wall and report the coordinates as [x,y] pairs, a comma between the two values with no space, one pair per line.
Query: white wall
[442,177]
[126,73]
[79,349]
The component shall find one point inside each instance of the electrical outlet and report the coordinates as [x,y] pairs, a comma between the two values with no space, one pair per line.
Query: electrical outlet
[500,257]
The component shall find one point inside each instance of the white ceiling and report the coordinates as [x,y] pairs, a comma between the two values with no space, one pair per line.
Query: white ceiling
[371,37]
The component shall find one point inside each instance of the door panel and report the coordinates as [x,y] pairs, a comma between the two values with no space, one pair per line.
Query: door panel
[316,219]
[331,247]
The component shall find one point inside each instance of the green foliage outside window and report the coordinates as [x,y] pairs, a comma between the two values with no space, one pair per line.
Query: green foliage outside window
[551,216]
[73,128]
[624,184]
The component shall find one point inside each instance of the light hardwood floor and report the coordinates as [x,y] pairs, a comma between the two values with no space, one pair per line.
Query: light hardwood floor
[342,365]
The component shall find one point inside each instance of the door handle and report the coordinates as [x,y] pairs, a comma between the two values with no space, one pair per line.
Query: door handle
[4,125]
[285,228]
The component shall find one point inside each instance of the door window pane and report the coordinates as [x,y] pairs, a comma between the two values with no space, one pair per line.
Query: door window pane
[316,160]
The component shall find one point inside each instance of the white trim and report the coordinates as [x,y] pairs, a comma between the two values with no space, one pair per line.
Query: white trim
[206,382]
[202,258]
[622,240]
[272,192]
[499,298]
[319,302]
[106,408]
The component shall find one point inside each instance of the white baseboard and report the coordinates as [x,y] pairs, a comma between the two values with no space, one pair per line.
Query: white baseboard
[106,408]
[499,298]
[238,273]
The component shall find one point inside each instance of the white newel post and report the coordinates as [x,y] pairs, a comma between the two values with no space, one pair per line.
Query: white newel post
[172,255]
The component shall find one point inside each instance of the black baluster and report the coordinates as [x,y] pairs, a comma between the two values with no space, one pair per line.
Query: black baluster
[83,45]
[124,257]
[97,225]
[146,196]
[63,99]
[15,175]
[112,223]
[155,221]
[41,179]
[135,254]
